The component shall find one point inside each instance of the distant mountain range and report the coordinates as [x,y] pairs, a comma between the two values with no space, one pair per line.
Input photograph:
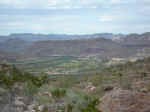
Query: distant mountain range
[38,37]
[101,45]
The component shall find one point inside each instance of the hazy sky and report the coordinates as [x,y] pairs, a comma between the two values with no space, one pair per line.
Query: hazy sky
[74,16]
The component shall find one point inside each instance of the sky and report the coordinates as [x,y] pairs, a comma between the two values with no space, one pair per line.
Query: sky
[74,16]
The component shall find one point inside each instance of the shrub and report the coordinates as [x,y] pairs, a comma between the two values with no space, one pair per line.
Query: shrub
[80,102]
[14,75]
[58,93]
[90,105]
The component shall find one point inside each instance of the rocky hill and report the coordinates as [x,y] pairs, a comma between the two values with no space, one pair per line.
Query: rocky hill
[85,47]
[132,45]
[14,45]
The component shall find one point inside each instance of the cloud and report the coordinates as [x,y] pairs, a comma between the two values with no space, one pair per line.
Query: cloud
[116,1]
[106,18]
[68,4]
[74,16]
[54,4]
[28,3]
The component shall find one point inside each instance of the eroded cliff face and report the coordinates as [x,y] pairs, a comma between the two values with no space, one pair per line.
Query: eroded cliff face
[119,100]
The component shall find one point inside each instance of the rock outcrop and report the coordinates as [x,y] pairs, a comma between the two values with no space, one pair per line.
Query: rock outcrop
[119,100]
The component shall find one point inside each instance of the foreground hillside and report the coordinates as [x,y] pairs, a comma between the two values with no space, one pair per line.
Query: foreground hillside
[121,88]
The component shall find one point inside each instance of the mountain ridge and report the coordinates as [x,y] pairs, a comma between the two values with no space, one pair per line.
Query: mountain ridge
[132,45]
[38,37]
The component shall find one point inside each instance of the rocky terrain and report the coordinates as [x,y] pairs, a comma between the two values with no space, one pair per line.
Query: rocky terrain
[99,45]
[119,100]
[118,88]
[121,87]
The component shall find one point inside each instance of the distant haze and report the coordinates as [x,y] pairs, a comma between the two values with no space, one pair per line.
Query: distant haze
[37,37]
[74,16]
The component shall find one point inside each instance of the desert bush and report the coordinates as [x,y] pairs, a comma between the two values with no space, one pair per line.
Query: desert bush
[90,106]
[77,101]
[58,92]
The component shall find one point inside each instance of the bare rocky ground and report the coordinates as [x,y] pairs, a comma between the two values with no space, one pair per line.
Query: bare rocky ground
[119,100]
[12,102]
[115,100]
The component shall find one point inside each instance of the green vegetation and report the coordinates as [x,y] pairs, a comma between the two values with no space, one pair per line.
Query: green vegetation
[12,75]
[75,93]
[58,93]
[60,64]
[82,103]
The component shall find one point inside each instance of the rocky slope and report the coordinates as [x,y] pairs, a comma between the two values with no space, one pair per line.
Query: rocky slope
[119,100]
[85,47]
[132,45]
